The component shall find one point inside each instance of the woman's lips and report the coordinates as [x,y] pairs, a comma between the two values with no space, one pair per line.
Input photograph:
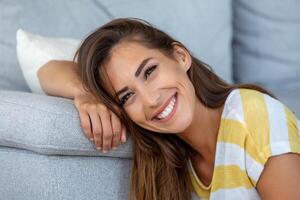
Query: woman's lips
[171,114]
[164,106]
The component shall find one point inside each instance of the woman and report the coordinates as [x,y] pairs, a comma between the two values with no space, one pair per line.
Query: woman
[191,130]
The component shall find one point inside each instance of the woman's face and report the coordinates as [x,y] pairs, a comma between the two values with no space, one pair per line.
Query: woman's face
[151,88]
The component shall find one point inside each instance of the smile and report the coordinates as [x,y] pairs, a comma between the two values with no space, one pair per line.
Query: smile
[168,112]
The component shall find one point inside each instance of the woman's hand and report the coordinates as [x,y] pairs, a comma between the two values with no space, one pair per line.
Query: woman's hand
[99,123]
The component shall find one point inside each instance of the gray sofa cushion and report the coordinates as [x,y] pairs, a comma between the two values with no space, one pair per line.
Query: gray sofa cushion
[266,45]
[291,98]
[204,26]
[26,175]
[47,125]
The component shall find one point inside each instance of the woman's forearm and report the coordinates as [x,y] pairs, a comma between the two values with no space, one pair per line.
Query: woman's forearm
[60,78]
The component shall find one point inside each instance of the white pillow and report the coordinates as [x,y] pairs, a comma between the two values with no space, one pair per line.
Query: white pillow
[34,50]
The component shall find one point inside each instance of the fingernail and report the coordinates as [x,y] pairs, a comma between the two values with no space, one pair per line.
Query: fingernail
[104,151]
[114,148]
[123,137]
[99,148]
[92,139]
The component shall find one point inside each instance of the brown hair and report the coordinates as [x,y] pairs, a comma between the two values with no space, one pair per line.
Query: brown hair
[159,168]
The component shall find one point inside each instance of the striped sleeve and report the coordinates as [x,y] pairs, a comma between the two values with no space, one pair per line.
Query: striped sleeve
[273,130]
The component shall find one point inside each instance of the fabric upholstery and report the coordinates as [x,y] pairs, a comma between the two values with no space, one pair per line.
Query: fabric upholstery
[30,176]
[75,19]
[47,125]
[266,47]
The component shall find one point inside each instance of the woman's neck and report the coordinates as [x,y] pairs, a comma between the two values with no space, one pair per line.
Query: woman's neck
[202,133]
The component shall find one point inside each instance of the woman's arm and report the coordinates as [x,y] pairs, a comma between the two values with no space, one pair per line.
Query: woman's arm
[280,178]
[60,78]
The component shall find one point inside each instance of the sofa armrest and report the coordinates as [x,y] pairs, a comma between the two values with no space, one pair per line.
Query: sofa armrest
[47,125]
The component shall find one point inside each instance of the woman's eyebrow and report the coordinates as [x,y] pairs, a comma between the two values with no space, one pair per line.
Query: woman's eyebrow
[142,65]
[137,73]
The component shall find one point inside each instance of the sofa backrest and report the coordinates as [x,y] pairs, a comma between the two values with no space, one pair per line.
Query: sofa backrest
[266,43]
[203,26]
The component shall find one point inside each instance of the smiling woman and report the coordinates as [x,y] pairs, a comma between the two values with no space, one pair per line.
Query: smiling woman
[190,129]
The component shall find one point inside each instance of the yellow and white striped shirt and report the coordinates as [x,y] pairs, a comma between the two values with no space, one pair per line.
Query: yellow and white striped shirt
[254,126]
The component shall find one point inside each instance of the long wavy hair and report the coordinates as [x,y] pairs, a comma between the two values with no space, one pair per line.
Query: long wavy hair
[159,168]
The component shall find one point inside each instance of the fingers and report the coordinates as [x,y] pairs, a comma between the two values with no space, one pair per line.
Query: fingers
[86,124]
[116,129]
[97,129]
[123,134]
[99,123]
[106,131]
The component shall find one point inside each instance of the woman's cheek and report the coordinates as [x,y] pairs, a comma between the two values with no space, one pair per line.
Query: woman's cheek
[134,116]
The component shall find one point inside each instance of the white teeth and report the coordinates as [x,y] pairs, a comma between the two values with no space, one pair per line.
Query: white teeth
[172,102]
[167,110]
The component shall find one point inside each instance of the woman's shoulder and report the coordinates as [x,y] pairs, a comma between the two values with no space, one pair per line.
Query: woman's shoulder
[252,97]
[233,108]
[263,116]
[272,129]
[261,107]
[273,126]
[254,104]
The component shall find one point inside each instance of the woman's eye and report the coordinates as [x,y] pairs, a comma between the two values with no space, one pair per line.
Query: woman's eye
[149,71]
[124,98]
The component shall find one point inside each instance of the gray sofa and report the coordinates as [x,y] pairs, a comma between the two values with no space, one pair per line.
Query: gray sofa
[44,153]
